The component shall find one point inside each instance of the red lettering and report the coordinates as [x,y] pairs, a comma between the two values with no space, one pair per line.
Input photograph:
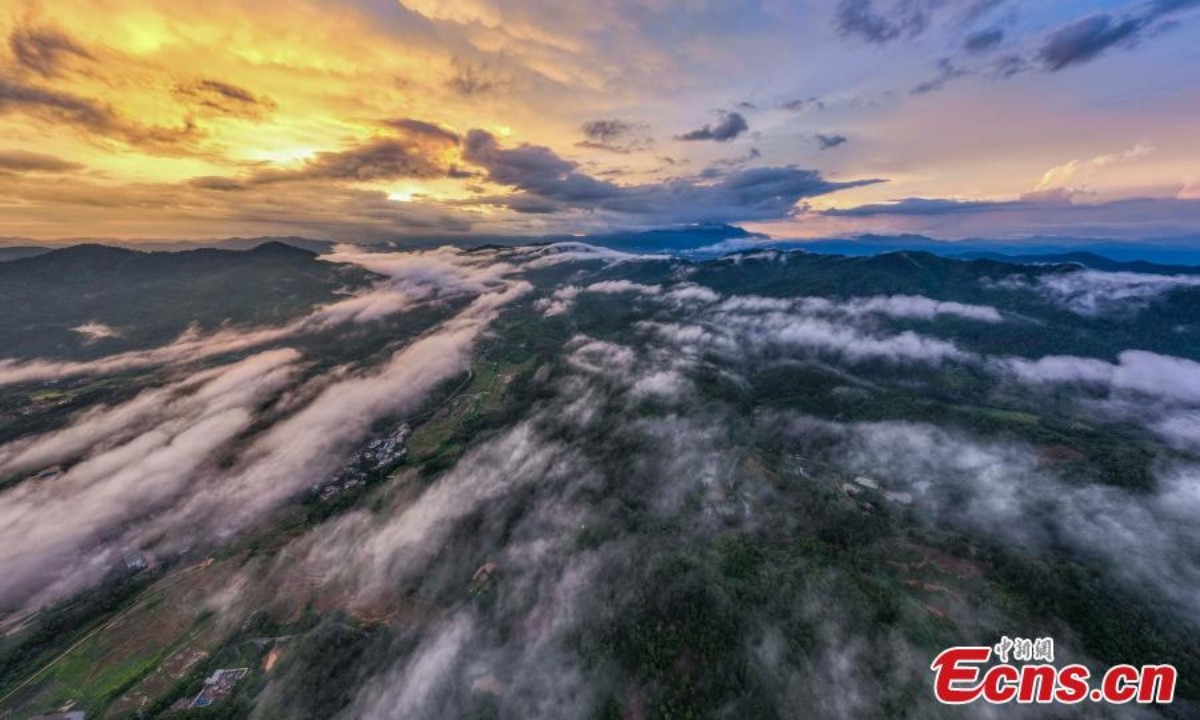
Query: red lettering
[947,684]
[1119,683]
[1000,684]
[1041,676]
[1157,684]
[1072,684]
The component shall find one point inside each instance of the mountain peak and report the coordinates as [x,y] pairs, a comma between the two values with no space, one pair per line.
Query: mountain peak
[277,248]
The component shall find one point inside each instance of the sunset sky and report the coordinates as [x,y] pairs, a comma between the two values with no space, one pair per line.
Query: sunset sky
[367,119]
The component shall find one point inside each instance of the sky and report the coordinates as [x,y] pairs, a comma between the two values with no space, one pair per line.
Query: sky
[363,120]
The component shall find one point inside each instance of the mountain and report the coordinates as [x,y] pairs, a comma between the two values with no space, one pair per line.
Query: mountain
[681,240]
[17,246]
[1086,259]
[671,240]
[142,298]
[16,252]
[710,241]
[1163,251]
[316,246]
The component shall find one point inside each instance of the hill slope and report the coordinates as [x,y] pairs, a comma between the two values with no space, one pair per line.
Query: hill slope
[132,299]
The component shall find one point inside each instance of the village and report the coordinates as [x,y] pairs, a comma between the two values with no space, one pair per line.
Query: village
[379,455]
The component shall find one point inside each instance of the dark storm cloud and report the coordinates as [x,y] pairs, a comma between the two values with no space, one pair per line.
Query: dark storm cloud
[215,97]
[1007,66]
[731,125]
[425,129]
[983,40]
[753,154]
[1075,43]
[607,130]
[882,21]
[1163,7]
[946,71]
[548,183]
[1089,37]
[43,50]
[16,96]
[978,9]
[863,20]
[830,141]
[1085,39]
[768,191]
[533,168]
[217,182]
[87,114]
[803,104]
[593,145]
[22,161]
[472,79]
[540,181]
[614,135]
[381,158]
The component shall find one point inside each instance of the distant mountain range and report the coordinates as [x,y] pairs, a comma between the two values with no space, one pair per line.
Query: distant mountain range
[1163,251]
[708,241]
[701,241]
[21,251]
[13,248]
[1086,259]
